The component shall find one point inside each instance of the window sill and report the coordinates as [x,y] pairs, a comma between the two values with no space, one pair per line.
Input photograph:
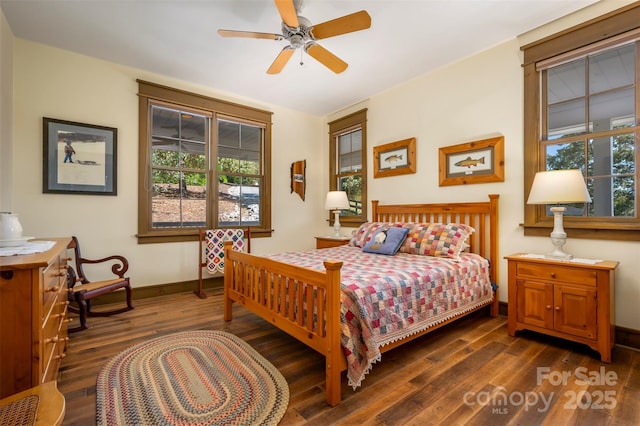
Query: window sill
[187,235]
[619,233]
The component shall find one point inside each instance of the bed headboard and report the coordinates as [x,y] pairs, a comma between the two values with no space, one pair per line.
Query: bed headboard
[482,216]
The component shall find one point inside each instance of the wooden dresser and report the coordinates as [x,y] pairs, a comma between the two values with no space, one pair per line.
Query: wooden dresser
[571,300]
[33,310]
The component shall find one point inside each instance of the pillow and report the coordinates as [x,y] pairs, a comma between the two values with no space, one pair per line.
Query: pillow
[444,240]
[367,230]
[416,233]
[387,240]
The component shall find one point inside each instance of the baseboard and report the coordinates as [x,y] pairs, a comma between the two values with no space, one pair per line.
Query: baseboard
[624,336]
[159,290]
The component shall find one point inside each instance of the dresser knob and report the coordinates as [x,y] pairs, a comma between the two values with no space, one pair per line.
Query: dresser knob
[54,288]
[548,306]
[553,275]
[54,339]
[557,308]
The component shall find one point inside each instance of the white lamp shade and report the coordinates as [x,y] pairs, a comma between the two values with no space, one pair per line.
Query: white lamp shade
[336,200]
[559,187]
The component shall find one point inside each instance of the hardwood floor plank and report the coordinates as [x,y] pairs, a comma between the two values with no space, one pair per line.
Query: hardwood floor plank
[422,382]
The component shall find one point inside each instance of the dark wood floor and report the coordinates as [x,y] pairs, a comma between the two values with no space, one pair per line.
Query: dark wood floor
[460,374]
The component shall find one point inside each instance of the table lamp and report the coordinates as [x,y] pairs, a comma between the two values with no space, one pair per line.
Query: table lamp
[336,201]
[558,187]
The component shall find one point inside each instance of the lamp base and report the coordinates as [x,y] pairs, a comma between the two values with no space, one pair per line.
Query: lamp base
[558,236]
[558,255]
[336,223]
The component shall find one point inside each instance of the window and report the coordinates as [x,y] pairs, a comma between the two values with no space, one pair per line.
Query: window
[348,172]
[203,163]
[582,93]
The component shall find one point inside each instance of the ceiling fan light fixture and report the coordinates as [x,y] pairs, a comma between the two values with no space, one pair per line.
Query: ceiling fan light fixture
[296,41]
[301,34]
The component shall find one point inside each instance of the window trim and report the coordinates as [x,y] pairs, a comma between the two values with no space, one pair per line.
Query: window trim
[340,125]
[149,93]
[596,31]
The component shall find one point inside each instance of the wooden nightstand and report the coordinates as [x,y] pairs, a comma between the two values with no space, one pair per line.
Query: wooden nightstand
[571,300]
[326,242]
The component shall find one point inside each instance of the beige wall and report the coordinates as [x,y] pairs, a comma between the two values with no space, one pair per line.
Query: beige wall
[475,98]
[6,114]
[59,84]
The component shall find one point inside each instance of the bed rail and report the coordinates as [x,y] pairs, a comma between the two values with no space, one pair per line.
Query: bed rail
[275,290]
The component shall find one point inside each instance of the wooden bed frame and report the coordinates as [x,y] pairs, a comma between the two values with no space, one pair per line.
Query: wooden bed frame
[259,283]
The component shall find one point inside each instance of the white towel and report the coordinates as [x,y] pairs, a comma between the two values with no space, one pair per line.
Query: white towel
[30,247]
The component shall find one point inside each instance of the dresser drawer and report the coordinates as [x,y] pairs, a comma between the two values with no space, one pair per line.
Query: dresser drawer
[53,339]
[53,279]
[566,274]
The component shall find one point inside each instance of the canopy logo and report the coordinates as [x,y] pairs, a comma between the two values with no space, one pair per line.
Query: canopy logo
[500,400]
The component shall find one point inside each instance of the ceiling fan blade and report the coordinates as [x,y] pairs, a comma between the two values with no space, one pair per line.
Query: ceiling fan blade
[325,57]
[287,12]
[249,34]
[281,60]
[347,24]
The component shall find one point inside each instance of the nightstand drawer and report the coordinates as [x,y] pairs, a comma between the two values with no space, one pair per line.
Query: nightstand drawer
[327,242]
[566,274]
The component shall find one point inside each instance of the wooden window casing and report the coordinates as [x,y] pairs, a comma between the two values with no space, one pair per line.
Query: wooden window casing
[573,41]
[355,122]
[150,94]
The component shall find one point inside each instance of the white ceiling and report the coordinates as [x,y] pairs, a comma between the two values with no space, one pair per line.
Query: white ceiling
[178,38]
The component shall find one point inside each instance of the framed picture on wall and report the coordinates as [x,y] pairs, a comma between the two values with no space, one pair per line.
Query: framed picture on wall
[79,158]
[298,180]
[473,162]
[396,158]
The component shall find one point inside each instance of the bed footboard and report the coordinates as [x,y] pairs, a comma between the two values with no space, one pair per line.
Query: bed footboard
[297,300]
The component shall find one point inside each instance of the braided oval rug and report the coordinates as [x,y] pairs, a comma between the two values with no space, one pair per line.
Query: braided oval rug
[191,378]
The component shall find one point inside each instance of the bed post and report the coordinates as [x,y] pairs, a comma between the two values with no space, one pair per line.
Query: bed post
[228,280]
[493,249]
[374,210]
[334,347]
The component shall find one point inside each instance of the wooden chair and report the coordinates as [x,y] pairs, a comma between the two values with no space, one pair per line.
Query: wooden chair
[81,290]
[42,405]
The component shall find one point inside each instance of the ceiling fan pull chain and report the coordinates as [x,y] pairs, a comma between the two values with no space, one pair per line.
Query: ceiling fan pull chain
[301,53]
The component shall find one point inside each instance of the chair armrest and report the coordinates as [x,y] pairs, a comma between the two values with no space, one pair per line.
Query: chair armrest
[119,268]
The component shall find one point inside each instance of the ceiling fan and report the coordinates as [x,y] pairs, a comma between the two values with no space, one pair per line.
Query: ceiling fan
[302,34]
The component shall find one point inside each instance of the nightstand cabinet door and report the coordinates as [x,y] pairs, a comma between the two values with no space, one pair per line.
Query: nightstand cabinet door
[535,303]
[570,300]
[575,311]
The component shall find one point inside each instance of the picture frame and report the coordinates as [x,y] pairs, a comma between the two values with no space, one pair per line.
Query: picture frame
[87,167]
[479,161]
[395,158]
[298,178]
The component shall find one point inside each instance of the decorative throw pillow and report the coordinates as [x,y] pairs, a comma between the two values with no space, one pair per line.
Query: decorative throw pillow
[367,230]
[358,236]
[387,240]
[445,240]
[415,235]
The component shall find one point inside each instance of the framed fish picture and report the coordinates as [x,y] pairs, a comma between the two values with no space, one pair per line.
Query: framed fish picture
[473,162]
[396,158]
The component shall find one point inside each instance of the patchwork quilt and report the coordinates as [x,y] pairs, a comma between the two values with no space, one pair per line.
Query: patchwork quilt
[387,298]
[214,246]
